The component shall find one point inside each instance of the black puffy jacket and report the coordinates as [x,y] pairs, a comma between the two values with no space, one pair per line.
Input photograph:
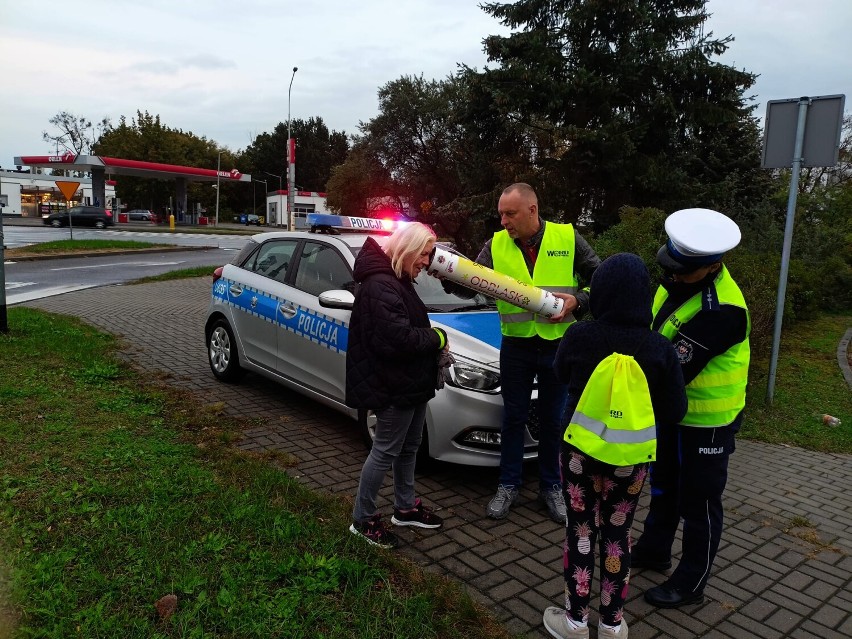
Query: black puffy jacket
[391,358]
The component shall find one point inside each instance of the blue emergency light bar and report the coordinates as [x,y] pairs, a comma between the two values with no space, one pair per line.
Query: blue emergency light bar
[320,221]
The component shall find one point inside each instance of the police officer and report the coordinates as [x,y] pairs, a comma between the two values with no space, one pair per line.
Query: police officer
[550,256]
[702,311]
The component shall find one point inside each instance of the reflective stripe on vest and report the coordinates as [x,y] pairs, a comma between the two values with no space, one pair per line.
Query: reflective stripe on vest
[717,394]
[553,271]
[614,420]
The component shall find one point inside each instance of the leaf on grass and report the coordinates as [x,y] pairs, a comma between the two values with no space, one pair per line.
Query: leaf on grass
[166,606]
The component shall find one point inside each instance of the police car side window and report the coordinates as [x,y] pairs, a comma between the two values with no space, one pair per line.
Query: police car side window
[321,268]
[273,259]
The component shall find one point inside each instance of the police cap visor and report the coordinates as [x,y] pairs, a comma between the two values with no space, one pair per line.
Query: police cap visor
[672,265]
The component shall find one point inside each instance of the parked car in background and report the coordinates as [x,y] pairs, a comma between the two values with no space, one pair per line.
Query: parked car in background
[142,215]
[80,216]
[251,218]
[281,309]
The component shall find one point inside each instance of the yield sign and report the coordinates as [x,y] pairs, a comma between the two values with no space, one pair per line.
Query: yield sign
[68,188]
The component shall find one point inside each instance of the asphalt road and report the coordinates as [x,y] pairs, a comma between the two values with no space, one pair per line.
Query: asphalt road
[28,279]
[31,280]
[17,235]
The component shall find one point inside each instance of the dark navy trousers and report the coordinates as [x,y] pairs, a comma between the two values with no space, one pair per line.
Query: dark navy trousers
[687,482]
[524,363]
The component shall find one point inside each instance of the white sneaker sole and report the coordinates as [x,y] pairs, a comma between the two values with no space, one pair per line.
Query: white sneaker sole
[418,524]
[358,533]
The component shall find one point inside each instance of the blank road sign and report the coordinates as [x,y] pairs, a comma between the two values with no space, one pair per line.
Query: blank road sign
[822,132]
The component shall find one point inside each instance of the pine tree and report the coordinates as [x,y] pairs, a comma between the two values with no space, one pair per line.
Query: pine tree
[624,103]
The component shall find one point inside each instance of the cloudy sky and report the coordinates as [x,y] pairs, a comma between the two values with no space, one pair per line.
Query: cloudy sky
[222,69]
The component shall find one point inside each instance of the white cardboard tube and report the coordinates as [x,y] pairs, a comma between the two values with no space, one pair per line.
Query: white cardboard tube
[482,279]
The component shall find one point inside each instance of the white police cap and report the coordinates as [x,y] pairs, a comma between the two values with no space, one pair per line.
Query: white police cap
[697,237]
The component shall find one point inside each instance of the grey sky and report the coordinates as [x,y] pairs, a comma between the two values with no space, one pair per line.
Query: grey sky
[222,69]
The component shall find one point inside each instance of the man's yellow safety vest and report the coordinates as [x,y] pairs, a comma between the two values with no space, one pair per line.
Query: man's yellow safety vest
[553,271]
[717,394]
[614,420]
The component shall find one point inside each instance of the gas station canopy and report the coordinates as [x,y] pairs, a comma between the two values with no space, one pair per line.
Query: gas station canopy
[136,168]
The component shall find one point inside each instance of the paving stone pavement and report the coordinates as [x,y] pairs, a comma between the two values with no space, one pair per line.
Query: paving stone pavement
[784,568]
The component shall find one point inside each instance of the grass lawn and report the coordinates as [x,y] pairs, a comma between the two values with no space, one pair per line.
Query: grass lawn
[808,384]
[115,493]
[59,247]
[195,271]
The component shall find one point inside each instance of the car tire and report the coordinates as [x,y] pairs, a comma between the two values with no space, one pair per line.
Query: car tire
[367,427]
[100,224]
[222,352]
[56,223]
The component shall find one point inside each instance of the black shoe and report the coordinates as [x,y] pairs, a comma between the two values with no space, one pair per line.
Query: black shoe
[374,531]
[666,596]
[419,516]
[641,559]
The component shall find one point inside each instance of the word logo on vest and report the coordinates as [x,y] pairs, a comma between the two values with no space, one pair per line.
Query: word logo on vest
[711,451]
[616,414]
[494,290]
[559,254]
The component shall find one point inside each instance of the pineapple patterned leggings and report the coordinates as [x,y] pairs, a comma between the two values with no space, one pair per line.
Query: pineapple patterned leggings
[600,500]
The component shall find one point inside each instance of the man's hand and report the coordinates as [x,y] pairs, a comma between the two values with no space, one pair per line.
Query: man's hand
[569,303]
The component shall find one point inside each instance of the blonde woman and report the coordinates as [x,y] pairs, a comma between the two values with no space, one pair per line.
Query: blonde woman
[391,368]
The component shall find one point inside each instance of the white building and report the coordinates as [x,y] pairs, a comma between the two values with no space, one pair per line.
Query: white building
[31,194]
[304,202]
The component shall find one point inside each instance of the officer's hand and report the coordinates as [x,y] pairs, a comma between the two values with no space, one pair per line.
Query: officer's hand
[569,303]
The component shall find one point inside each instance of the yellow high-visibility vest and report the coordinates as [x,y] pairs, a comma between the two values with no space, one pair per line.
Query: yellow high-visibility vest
[614,420]
[717,394]
[554,271]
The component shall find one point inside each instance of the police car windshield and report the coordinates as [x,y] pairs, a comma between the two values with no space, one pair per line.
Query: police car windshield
[438,300]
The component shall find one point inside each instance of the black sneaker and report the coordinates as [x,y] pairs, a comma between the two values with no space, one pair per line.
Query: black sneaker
[374,531]
[420,516]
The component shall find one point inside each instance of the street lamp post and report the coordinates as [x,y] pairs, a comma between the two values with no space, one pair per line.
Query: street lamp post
[218,170]
[254,203]
[291,169]
[280,186]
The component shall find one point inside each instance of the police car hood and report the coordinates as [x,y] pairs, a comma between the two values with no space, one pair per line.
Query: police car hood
[620,291]
[473,334]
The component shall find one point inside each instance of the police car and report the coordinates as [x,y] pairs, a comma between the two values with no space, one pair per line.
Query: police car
[281,309]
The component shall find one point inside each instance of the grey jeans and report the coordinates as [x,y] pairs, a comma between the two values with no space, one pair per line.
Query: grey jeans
[398,435]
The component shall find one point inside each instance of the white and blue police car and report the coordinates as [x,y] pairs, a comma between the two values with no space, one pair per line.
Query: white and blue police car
[281,309]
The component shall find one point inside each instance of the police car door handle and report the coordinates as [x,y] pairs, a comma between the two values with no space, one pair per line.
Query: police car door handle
[236,290]
[287,310]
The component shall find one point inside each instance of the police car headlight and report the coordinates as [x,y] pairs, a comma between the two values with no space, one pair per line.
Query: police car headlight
[472,377]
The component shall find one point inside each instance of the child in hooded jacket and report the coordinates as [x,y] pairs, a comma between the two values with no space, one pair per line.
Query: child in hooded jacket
[601,498]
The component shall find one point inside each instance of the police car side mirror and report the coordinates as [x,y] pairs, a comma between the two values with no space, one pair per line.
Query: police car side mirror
[337,299]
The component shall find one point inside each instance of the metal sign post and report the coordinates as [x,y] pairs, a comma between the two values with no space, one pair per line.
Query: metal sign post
[798,132]
[68,190]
